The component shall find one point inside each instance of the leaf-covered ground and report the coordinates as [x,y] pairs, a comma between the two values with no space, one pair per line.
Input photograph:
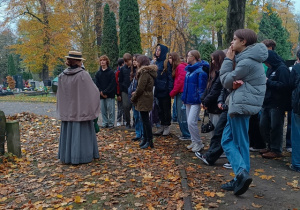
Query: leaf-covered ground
[126,177]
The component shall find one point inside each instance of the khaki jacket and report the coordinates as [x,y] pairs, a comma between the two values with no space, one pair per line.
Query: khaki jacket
[143,96]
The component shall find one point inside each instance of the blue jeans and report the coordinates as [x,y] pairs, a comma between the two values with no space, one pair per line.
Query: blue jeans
[271,128]
[181,116]
[295,137]
[138,123]
[235,142]
[174,110]
[108,111]
[288,131]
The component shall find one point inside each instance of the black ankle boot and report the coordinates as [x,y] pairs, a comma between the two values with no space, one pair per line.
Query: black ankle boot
[143,141]
[151,143]
[146,145]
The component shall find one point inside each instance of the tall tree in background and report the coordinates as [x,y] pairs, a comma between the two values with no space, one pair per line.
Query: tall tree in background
[270,27]
[129,22]
[235,19]
[109,45]
[44,30]
[209,18]
[12,71]
[6,38]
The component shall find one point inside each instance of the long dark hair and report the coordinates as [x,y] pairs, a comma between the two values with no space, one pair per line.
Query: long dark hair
[133,68]
[175,62]
[218,57]
[143,61]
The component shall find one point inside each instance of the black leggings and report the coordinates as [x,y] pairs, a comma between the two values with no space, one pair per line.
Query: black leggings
[146,126]
[164,111]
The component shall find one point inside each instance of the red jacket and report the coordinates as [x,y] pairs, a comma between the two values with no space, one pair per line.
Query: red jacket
[117,81]
[179,79]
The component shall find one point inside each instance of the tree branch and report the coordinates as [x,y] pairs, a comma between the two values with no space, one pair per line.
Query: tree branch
[32,15]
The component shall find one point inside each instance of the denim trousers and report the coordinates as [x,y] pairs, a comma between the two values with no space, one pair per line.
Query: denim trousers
[192,113]
[108,111]
[164,111]
[288,130]
[235,142]
[126,108]
[295,137]
[120,112]
[215,148]
[147,128]
[271,128]
[137,122]
[181,116]
[174,110]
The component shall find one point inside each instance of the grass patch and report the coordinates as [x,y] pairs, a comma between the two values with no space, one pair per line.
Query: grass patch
[25,98]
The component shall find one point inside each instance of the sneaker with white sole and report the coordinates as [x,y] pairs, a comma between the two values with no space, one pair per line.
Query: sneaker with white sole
[118,124]
[289,149]
[201,157]
[252,149]
[159,130]
[191,145]
[197,147]
[223,155]
[227,165]
[166,131]
[183,138]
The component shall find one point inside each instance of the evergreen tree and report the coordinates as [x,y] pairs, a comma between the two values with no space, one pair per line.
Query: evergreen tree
[11,66]
[109,45]
[206,49]
[270,27]
[129,22]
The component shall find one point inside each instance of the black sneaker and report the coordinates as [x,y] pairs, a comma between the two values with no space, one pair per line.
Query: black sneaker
[229,186]
[242,183]
[201,157]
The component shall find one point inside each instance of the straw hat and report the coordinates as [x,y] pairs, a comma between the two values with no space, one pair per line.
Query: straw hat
[75,55]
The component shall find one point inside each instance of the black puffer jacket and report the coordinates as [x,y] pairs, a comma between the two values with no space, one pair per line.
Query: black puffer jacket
[210,97]
[278,93]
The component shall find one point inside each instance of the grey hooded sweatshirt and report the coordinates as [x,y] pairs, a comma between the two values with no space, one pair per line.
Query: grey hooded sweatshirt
[247,99]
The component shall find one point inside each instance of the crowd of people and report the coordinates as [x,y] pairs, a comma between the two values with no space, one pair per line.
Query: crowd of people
[246,90]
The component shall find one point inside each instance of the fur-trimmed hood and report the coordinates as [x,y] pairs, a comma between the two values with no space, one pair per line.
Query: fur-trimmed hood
[151,70]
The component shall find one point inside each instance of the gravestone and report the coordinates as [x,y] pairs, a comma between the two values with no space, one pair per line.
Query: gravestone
[2,131]
[13,137]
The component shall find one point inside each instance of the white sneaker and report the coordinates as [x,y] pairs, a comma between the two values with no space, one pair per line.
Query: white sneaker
[166,130]
[159,130]
[191,145]
[227,165]
[118,124]
[289,150]
[197,147]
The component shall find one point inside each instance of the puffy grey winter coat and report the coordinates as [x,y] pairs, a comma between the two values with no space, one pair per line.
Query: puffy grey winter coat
[248,98]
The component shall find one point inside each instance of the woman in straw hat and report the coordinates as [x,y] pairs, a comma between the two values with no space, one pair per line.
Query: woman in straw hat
[77,107]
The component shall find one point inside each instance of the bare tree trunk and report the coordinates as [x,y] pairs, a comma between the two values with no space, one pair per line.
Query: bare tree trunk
[46,40]
[98,22]
[235,18]
[220,40]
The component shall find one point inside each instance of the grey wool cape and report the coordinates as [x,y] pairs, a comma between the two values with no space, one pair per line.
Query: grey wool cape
[78,105]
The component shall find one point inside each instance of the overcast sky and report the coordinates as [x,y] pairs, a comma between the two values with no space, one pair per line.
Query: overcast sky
[297,6]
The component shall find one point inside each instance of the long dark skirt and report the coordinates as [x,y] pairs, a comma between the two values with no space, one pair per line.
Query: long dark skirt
[77,142]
